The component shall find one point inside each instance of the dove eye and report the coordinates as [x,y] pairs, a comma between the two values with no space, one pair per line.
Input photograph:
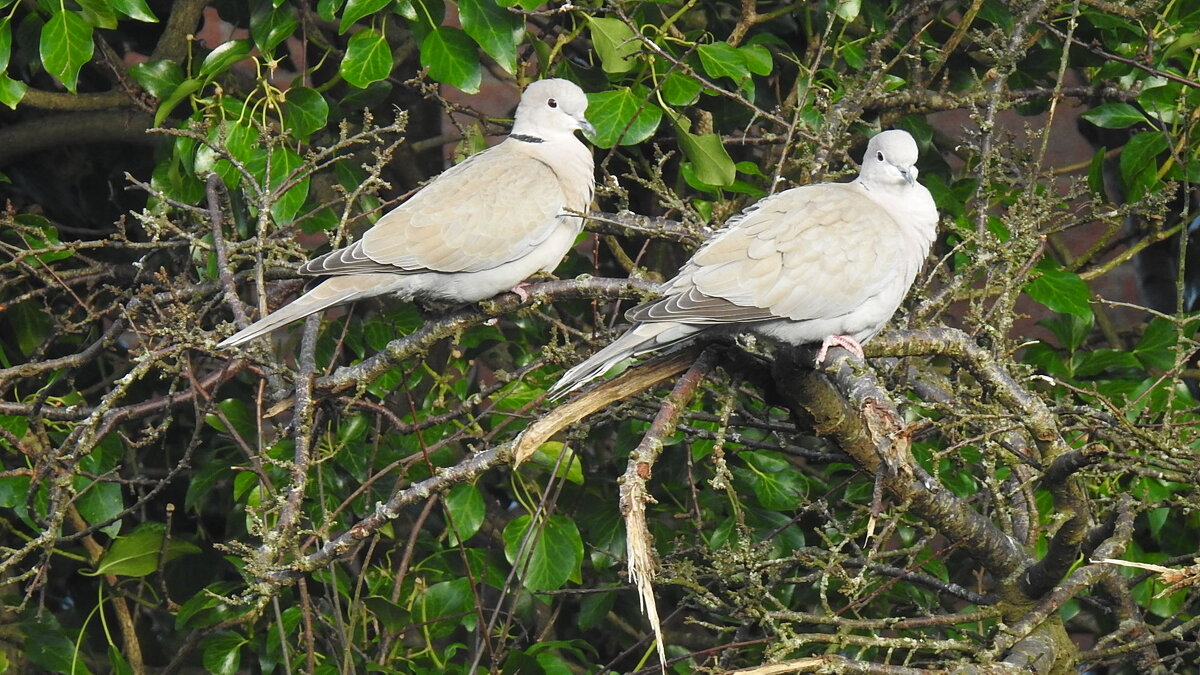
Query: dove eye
[879,156]
[552,103]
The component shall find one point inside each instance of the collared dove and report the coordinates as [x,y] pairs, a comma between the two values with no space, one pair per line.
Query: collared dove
[478,229]
[826,263]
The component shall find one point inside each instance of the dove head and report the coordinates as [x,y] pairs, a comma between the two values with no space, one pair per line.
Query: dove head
[551,108]
[890,160]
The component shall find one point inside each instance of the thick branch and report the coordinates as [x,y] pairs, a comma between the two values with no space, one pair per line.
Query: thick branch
[854,410]
[184,19]
[108,126]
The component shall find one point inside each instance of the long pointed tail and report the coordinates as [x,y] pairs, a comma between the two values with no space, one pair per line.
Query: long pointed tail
[642,338]
[332,291]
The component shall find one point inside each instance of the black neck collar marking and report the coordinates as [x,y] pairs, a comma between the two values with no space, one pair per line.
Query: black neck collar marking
[526,139]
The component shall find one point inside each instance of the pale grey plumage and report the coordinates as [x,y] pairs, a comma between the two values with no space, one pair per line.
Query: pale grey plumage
[820,263]
[478,229]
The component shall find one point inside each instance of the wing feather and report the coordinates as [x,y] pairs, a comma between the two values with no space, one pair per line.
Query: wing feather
[496,207]
[811,252]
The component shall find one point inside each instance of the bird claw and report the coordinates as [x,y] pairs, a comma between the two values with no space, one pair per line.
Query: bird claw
[844,341]
[519,289]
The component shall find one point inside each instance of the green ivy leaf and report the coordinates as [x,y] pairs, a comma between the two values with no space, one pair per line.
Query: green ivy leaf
[594,609]
[357,9]
[1062,292]
[551,557]
[117,660]
[284,161]
[1157,518]
[758,59]
[1185,44]
[1156,349]
[100,501]
[452,59]
[270,25]
[222,652]
[549,456]
[47,646]
[615,42]
[1087,364]
[710,160]
[495,29]
[776,485]
[393,617]
[451,600]
[99,13]
[11,91]
[1139,162]
[207,607]
[220,59]
[236,412]
[239,140]
[13,490]
[66,44]
[855,55]
[184,90]
[622,117]
[423,16]
[135,9]
[1070,330]
[680,89]
[137,554]
[1114,116]
[48,239]
[465,511]
[721,59]
[32,325]
[327,9]
[159,78]
[5,44]
[847,10]
[368,59]
[304,112]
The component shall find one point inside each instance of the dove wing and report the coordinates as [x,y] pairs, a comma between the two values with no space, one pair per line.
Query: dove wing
[813,252]
[496,207]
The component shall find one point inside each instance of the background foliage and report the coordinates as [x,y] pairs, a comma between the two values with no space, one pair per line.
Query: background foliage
[343,501]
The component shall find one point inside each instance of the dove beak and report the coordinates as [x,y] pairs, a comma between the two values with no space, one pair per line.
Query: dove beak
[910,175]
[586,126]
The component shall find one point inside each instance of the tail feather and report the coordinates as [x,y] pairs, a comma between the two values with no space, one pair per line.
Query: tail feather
[333,291]
[642,338]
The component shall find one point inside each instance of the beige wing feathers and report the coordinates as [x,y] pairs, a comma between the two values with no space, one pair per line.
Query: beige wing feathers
[784,260]
[494,208]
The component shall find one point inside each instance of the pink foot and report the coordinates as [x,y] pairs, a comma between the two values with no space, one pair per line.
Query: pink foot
[845,341]
[519,289]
